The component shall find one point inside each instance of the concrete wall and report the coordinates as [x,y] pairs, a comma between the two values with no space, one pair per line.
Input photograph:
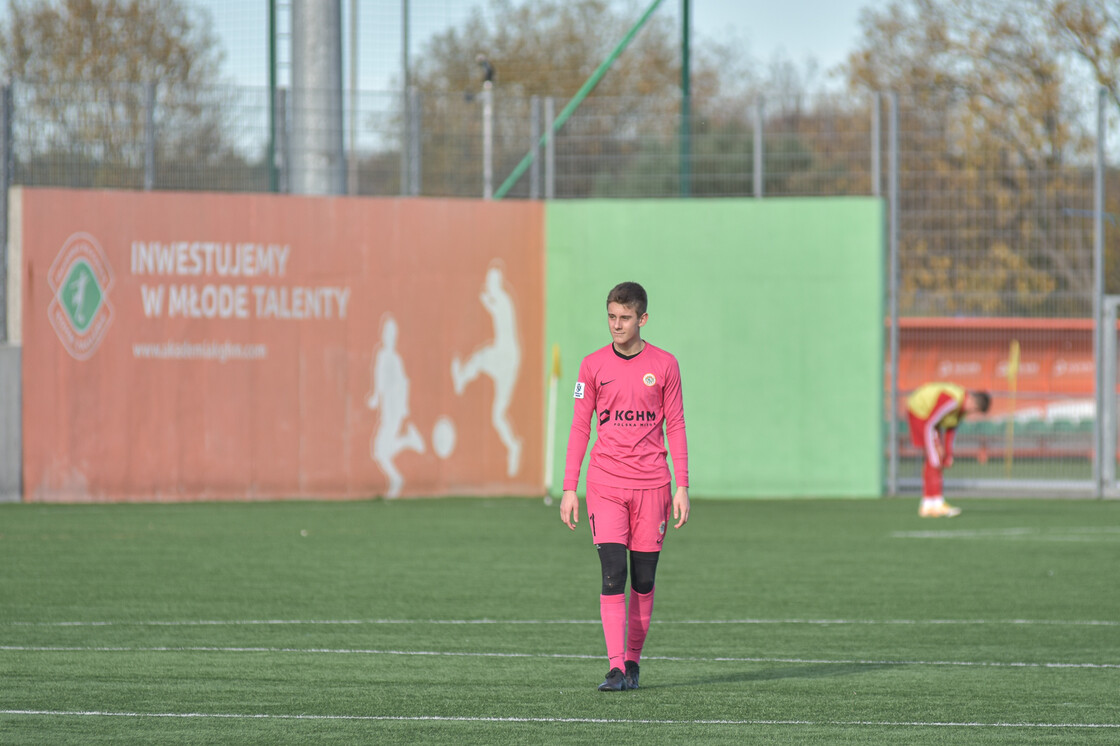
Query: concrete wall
[11,446]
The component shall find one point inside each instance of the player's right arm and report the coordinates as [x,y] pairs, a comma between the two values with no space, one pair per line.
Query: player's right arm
[578,437]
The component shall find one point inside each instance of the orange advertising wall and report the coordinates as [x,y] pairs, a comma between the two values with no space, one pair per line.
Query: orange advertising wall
[1055,359]
[206,346]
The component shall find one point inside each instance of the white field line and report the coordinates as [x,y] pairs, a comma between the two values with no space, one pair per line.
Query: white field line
[1071,533]
[343,622]
[590,721]
[571,656]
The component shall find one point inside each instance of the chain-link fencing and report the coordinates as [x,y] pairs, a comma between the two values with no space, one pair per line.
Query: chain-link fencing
[993,236]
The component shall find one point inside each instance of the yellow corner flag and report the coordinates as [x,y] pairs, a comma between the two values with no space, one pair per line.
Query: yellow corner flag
[1013,364]
[550,426]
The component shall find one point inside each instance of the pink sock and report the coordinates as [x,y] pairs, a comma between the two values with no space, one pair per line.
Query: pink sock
[612,609]
[641,609]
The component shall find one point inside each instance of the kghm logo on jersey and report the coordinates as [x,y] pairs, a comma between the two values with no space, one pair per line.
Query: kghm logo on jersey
[80,279]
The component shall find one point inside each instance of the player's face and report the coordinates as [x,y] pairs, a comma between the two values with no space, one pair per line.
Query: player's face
[625,325]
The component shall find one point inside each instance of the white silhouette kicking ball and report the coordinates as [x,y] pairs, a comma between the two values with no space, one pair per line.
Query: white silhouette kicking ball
[443,437]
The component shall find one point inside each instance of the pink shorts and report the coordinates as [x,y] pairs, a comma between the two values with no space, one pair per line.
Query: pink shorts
[636,519]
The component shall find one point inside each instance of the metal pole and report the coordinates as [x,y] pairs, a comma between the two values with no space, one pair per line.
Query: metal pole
[1098,296]
[686,101]
[415,143]
[534,134]
[876,146]
[406,108]
[1108,409]
[892,284]
[550,150]
[6,163]
[352,160]
[318,124]
[283,142]
[149,137]
[758,154]
[488,140]
[273,172]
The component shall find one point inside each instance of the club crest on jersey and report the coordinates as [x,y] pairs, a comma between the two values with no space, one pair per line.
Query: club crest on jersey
[649,379]
[579,390]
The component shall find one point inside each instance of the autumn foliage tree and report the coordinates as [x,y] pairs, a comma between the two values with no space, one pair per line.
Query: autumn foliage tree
[85,69]
[997,142]
[549,49]
[623,140]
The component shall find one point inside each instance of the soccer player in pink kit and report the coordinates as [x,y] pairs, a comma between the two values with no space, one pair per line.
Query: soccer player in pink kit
[635,390]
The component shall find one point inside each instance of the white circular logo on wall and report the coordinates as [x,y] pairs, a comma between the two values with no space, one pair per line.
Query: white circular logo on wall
[80,278]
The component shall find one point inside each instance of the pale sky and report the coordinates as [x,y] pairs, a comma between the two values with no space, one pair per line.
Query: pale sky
[825,30]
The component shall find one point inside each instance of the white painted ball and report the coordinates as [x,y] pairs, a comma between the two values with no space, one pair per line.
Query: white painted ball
[443,437]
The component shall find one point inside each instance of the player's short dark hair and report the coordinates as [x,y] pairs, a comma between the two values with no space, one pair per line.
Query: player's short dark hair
[983,400]
[629,294]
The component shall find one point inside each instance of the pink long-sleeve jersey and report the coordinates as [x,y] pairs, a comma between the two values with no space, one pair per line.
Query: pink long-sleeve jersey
[639,405]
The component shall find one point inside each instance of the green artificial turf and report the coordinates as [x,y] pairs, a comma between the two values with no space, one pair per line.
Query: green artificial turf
[476,621]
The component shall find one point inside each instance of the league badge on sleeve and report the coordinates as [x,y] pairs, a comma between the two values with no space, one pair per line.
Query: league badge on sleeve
[579,390]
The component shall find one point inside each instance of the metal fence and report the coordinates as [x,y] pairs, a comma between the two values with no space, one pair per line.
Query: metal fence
[993,244]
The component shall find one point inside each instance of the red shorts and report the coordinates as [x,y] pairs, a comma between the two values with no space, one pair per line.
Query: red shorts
[636,519]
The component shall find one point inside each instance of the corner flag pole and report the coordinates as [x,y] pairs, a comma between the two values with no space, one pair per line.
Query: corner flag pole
[1012,382]
[550,428]
[574,103]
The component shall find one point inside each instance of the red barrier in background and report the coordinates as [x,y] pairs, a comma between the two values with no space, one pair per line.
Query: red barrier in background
[206,346]
[1056,369]
[1054,383]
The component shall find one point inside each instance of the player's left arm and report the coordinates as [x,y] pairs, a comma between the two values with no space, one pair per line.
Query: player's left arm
[681,505]
[673,403]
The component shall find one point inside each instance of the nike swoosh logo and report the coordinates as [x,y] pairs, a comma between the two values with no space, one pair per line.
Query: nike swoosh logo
[604,383]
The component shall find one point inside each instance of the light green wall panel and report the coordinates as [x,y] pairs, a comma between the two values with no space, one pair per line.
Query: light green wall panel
[774,309]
